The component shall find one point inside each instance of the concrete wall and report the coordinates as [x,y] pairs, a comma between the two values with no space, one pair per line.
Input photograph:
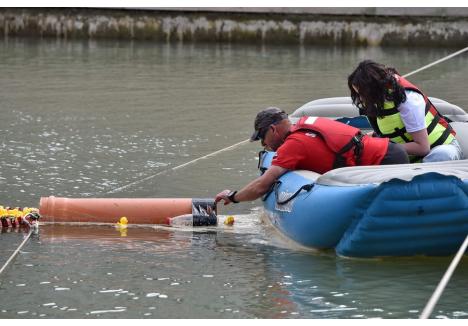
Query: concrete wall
[341,11]
[371,26]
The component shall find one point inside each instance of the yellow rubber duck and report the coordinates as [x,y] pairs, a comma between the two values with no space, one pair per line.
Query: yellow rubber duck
[11,212]
[122,223]
[229,220]
[26,211]
[3,211]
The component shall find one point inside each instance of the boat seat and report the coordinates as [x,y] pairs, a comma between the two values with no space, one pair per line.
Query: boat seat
[462,135]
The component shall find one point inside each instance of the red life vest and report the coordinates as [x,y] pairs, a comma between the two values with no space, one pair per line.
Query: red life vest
[390,125]
[429,108]
[438,119]
[345,141]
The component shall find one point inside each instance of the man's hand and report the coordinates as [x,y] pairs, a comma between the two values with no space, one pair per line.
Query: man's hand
[223,195]
[255,189]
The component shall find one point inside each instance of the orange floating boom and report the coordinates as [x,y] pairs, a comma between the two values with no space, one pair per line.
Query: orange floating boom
[109,210]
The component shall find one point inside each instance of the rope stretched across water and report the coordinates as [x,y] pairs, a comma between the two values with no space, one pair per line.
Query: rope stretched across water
[436,62]
[16,251]
[177,167]
[443,282]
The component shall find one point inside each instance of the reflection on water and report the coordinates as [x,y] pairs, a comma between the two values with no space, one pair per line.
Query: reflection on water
[219,272]
[84,118]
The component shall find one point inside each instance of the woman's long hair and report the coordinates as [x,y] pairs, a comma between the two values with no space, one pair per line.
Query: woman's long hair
[376,84]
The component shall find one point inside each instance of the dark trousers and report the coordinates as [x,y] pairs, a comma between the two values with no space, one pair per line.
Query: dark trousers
[396,154]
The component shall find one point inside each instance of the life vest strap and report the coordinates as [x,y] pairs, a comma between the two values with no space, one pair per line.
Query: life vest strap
[443,137]
[356,143]
[399,132]
[387,112]
[428,107]
[433,124]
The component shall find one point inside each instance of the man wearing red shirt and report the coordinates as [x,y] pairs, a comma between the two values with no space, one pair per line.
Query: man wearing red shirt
[315,144]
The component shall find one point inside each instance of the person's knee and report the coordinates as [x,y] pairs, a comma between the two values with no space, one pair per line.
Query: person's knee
[442,153]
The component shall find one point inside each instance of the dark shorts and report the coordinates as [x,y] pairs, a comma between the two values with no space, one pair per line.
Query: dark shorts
[396,154]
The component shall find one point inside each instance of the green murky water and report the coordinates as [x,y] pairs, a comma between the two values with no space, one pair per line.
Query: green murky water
[85,118]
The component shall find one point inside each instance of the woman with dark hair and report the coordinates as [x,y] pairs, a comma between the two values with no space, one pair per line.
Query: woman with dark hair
[398,110]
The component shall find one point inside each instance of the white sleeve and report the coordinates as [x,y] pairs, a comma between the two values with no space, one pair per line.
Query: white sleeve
[412,112]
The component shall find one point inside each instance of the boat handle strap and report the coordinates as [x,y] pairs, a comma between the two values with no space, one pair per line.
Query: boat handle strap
[275,188]
[261,157]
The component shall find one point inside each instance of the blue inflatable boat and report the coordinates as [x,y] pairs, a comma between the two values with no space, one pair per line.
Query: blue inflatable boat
[374,211]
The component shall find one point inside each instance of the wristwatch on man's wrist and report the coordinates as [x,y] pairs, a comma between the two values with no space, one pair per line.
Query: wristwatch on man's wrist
[231,196]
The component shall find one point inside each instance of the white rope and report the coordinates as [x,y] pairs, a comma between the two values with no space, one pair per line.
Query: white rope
[16,251]
[436,62]
[443,282]
[177,167]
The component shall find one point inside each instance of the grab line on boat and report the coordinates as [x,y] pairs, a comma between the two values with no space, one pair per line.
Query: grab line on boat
[436,62]
[16,251]
[443,282]
[245,141]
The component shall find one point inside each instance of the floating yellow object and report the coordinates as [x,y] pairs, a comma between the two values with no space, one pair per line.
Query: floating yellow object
[121,225]
[229,220]
[6,211]
[122,222]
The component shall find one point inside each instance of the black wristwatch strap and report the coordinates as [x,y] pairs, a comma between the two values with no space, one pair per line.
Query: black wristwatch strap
[231,196]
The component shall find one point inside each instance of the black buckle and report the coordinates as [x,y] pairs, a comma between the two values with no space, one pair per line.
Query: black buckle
[358,146]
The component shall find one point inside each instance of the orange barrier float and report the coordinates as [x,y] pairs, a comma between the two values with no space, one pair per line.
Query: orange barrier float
[136,210]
